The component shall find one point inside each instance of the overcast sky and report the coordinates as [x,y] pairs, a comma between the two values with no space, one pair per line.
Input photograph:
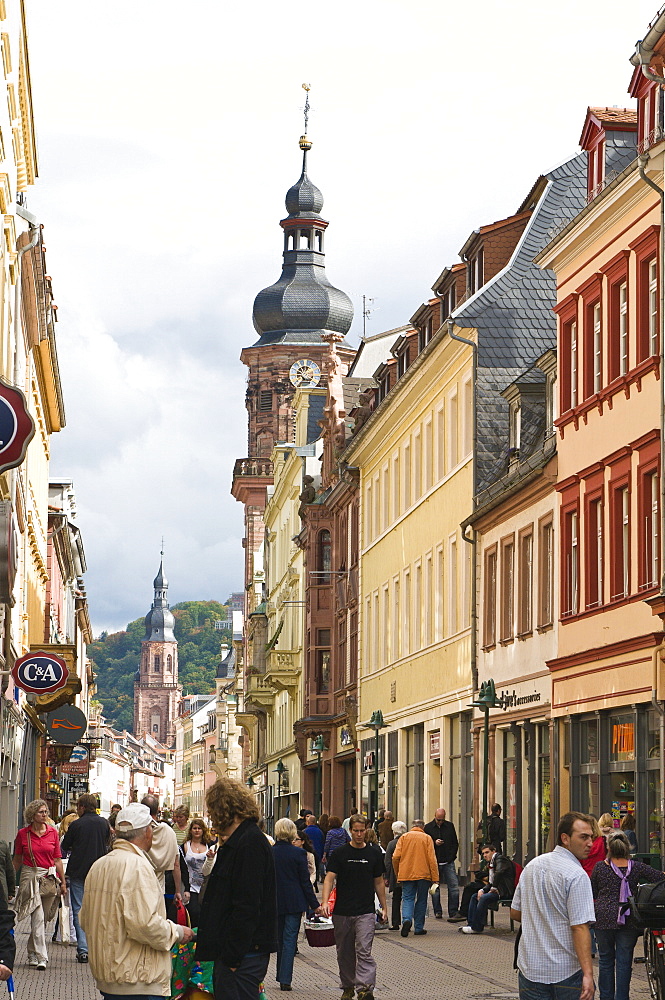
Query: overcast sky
[168,137]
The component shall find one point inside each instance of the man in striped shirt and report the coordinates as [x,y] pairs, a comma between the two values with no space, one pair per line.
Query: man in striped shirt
[553,900]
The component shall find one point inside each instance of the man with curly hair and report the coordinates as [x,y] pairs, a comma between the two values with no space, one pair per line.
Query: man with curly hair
[238,922]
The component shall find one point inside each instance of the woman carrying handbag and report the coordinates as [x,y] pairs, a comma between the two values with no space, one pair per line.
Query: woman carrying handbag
[37,854]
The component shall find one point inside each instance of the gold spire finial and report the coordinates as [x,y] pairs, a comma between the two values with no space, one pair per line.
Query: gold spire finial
[304,143]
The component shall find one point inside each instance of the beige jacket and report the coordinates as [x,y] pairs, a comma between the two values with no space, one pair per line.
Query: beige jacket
[129,941]
[164,851]
[414,857]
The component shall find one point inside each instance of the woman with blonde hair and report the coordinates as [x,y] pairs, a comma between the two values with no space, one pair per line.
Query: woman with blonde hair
[294,896]
[606,824]
[37,853]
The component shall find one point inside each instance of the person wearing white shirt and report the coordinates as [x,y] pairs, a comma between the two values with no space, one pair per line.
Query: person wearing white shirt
[554,902]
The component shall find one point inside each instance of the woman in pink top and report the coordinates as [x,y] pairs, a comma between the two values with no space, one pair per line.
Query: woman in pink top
[37,853]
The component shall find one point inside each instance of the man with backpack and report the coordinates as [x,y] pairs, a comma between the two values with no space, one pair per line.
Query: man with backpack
[500,885]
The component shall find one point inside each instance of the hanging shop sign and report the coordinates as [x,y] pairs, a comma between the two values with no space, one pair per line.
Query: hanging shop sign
[66,725]
[435,745]
[17,428]
[78,762]
[40,672]
[78,786]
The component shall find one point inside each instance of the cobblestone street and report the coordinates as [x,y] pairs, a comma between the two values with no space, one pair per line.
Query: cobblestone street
[444,965]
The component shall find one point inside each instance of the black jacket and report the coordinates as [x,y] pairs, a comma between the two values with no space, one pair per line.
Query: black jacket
[294,889]
[88,838]
[504,876]
[447,851]
[239,909]
[7,946]
[496,831]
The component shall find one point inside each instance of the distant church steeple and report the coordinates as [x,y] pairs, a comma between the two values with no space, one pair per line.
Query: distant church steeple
[303,304]
[156,688]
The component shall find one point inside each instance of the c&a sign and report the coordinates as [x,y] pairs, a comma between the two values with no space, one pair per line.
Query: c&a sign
[40,673]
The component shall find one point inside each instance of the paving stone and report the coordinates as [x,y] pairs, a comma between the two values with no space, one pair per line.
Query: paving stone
[443,964]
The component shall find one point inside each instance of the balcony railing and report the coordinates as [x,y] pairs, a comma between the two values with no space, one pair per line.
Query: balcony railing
[255,467]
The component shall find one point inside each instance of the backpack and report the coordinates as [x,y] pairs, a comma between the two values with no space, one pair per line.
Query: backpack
[518,871]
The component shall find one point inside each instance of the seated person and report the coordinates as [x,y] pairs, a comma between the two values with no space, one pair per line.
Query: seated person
[500,885]
[471,888]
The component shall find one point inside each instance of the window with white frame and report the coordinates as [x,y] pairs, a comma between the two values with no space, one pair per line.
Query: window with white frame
[467,444]
[597,350]
[406,614]
[452,585]
[623,328]
[654,333]
[573,365]
[453,443]
[439,591]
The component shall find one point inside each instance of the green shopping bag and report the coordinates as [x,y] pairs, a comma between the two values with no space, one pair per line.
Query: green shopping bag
[182,957]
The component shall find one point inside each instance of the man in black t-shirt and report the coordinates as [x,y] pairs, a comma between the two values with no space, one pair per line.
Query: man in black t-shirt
[357,870]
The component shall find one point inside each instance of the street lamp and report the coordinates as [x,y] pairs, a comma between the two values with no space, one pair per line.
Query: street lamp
[279,769]
[318,746]
[250,783]
[486,699]
[376,723]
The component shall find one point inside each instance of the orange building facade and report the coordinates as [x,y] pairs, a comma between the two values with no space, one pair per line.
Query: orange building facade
[607,684]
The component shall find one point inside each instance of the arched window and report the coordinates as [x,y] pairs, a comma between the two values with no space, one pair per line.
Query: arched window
[158,663]
[323,557]
[169,663]
[319,240]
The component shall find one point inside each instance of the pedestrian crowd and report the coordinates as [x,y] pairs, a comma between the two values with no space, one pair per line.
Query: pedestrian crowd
[126,882]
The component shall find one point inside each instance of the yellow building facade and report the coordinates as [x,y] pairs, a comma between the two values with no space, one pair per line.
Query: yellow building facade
[415,459]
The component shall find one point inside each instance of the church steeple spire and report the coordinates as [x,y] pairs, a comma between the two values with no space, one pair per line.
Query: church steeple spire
[159,621]
[303,304]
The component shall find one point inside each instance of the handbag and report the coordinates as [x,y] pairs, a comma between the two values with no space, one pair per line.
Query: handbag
[49,887]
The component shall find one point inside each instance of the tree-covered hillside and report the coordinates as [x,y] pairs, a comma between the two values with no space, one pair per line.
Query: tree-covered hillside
[116,658]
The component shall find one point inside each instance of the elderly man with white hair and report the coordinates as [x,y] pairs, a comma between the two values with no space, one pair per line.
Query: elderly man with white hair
[129,940]
[395,888]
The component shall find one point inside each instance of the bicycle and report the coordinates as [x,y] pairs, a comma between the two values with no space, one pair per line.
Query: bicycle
[653,939]
[654,958]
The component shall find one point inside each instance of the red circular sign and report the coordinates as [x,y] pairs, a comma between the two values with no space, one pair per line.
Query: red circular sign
[17,428]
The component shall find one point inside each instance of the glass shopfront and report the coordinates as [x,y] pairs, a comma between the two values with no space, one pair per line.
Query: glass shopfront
[615,768]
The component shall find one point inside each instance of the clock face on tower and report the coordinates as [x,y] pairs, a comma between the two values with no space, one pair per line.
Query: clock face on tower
[305,373]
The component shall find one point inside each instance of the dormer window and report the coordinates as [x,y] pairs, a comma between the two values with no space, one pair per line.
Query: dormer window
[448,303]
[475,272]
[515,430]
[403,362]
[596,170]
[649,116]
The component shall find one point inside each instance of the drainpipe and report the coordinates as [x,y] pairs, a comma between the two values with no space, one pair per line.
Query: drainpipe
[471,539]
[658,705]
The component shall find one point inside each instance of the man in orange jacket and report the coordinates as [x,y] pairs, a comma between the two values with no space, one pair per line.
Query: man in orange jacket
[414,863]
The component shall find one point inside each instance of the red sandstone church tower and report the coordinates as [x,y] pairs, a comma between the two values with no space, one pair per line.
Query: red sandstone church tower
[156,688]
[290,318]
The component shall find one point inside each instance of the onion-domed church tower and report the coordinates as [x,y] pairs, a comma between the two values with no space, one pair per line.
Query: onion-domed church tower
[156,688]
[290,318]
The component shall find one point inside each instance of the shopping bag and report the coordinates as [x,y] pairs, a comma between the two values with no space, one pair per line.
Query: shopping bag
[182,957]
